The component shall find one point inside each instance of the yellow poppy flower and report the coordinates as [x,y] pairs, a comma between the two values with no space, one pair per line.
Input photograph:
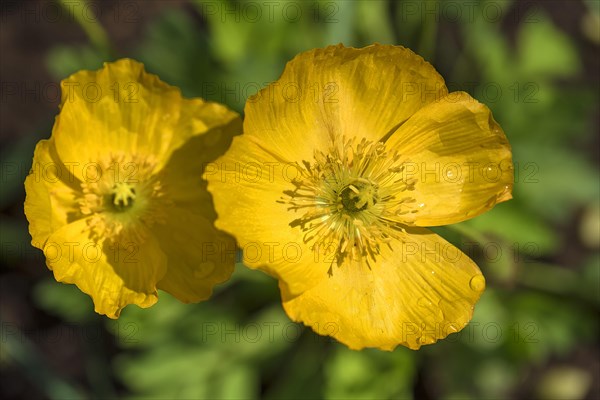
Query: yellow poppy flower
[342,163]
[115,197]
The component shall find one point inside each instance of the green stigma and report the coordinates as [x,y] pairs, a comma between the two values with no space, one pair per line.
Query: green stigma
[123,196]
[358,196]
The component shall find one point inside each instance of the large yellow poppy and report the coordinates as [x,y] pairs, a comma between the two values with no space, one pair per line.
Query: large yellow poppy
[342,163]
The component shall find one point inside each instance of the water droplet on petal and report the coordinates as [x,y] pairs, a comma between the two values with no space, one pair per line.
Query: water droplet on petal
[426,339]
[204,270]
[477,283]
[424,302]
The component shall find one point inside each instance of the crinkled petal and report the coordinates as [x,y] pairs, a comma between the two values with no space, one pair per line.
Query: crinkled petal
[52,193]
[123,109]
[113,275]
[124,126]
[417,291]
[247,184]
[339,91]
[182,174]
[120,108]
[459,157]
[201,255]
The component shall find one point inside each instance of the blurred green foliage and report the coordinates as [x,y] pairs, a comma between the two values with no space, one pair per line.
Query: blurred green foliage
[539,306]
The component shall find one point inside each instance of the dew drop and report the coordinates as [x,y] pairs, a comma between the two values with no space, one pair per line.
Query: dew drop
[477,283]
[426,339]
[424,302]
[204,270]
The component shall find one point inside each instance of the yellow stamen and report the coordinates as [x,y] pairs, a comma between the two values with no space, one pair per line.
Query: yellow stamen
[353,197]
[127,199]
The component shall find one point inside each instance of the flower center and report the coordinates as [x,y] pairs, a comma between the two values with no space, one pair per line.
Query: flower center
[354,198]
[358,196]
[124,197]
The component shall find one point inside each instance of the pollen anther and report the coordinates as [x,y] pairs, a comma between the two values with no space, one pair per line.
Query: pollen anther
[352,197]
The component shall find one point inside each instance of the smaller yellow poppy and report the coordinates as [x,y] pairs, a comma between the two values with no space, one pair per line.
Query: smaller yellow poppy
[115,197]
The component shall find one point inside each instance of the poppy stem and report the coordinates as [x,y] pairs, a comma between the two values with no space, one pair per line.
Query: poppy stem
[80,12]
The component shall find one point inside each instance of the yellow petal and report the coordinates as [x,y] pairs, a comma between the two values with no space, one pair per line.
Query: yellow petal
[113,275]
[339,91]
[458,156]
[416,292]
[247,184]
[201,255]
[182,174]
[51,193]
[121,108]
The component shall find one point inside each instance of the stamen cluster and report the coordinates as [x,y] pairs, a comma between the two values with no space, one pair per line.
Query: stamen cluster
[354,198]
[124,199]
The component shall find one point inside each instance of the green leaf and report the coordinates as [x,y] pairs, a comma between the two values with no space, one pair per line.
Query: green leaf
[544,51]
[374,22]
[554,181]
[175,49]
[63,61]
[495,377]
[517,226]
[63,300]
[589,284]
[369,374]
[545,325]
[486,331]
